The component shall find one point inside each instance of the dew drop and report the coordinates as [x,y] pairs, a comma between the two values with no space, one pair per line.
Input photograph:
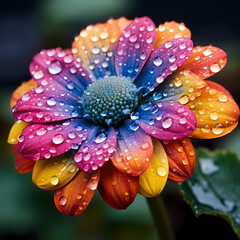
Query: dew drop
[167,122]
[145,146]
[100,137]
[157,61]
[51,101]
[168,44]
[41,131]
[172,59]
[214,116]
[162,171]
[96,50]
[215,68]
[62,201]
[133,38]
[134,126]
[223,98]
[38,74]
[68,59]
[55,67]
[54,180]
[26,97]
[58,139]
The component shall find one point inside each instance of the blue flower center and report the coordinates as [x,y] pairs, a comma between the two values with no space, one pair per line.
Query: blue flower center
[110,100]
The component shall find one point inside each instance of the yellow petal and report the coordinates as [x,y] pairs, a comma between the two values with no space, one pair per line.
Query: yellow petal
[54,173]
[16,131]
[152,181]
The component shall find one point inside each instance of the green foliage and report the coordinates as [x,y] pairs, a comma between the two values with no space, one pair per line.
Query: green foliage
[214,187]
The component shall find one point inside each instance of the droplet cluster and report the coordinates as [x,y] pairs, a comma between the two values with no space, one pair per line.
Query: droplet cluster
[110,100]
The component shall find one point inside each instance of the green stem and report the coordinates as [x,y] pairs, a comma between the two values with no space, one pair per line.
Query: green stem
[160,218]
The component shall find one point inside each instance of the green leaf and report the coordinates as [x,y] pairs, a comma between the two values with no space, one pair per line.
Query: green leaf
[214,188]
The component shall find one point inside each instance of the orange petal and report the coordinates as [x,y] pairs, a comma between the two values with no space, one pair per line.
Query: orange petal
[74,198]
[98,42]
[216,112]
[205,61]
[54,173]
[117,189]
[22,164]
[152,182]
[22,89]
[133,151]
[16,131]
[181,158]
[170,30]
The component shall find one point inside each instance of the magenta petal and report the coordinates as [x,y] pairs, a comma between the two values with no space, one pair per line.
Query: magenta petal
[134,47]
[43,141]
[166,120]
[96,150]
[163,61]
[61,80]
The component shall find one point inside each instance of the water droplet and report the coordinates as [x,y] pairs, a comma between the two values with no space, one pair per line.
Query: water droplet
[133,38]
[38,74]
[157,61]
[134,115]
[72,135]
[172,59]
[184,99]
[87,157]
[145,146]
[58,139]
[207,52]
[217,130]
[168,44]
[214,116]
[62,201]
[96,50]
[26,97]
[100,137]
[21,138]
[223,98]
[68,58]
[143,56]
[173,67]
[167,122]
[134,126]
[54,180]
[36,156]
[182,46]
[162,171]
[93,185]
[71,168]
[51,101]
[183,120]
[41,131]
[185,162]
[215,68]
[39,89]
[55,67]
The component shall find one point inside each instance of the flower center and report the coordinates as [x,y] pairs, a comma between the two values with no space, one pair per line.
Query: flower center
[110,100]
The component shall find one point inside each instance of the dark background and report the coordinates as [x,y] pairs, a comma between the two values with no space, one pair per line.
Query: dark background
[27,212]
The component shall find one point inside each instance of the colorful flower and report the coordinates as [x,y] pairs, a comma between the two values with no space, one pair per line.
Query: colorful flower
[115,112]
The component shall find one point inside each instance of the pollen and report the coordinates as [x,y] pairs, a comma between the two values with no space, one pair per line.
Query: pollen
[110,100]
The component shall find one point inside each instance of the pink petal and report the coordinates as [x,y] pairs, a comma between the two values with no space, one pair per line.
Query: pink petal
[134,47]
[96,150]
[43,141]
[163,61]
[61,81]
[165,120]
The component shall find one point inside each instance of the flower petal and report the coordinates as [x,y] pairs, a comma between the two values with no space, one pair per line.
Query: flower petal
[134,149]
[117,189]
[61,80]
[163,61]
[74,198]
[22,164]
[205,61]
[152,182]
[54,173]
[96,150]
[95,46]
[181,158]
[181,86]
[170,30]
[16,131]
[22,89]
[216,112]
[134,46]
[166,120]
[44,141]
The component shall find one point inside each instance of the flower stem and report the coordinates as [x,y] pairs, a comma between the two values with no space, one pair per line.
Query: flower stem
[160,218]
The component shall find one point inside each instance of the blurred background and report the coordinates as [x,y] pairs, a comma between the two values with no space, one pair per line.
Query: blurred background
[27,212]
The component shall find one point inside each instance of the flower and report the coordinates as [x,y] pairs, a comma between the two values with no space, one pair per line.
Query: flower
[115,112]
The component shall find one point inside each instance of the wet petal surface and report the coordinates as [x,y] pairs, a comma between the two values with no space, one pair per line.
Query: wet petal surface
[152,182]
[16,131]
[181,158]
[61,82]
[134,47]
[205,61]
[95,46]
[165,120]
[117,189]
[170,30]
[163,61]
[134,149]
[54,173]
[74,198]
[216,112]
[44,141]
[96,149]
